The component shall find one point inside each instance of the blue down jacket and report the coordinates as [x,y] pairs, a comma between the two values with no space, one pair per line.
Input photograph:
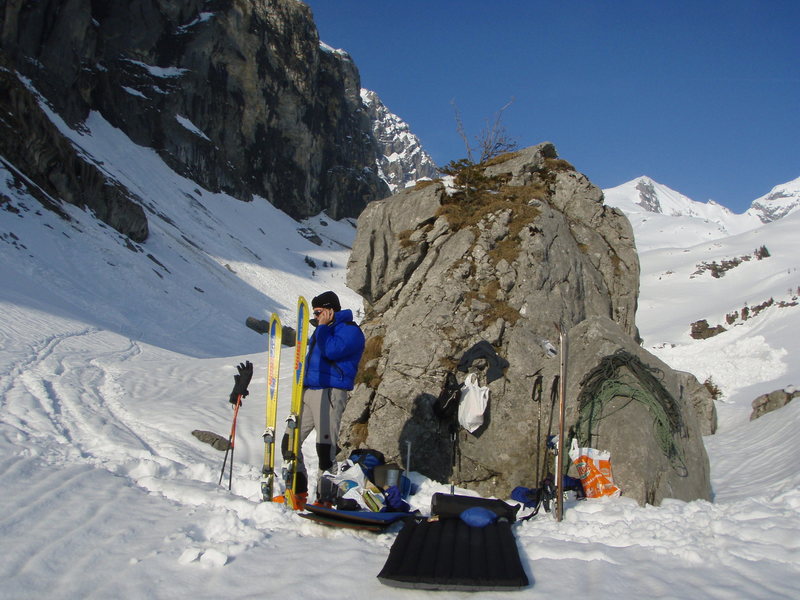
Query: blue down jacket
[334,352]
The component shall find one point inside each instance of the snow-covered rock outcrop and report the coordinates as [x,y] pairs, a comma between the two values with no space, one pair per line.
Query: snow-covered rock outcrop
[782,200]
[403,159]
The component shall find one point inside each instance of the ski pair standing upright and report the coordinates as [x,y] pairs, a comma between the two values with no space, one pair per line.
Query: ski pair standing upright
[290,462]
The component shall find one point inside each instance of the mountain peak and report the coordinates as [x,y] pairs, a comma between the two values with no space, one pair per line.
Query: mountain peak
[782,200]
[402,160]
[671,215]
[645,194]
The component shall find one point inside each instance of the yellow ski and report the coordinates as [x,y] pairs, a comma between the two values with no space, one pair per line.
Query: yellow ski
[293,421]
[273,371]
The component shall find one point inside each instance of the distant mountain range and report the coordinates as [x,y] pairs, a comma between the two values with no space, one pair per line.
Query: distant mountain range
[660,214]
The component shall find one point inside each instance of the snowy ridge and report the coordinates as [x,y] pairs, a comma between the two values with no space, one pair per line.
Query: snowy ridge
[646,195]
[338,51]
[663,217]
[112,352]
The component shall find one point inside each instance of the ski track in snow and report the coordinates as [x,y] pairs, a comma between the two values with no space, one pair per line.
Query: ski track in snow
[79,379]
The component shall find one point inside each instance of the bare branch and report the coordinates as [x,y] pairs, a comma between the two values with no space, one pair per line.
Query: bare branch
[494,140]
[460,129]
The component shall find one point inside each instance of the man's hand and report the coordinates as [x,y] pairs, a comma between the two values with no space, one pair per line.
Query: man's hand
[325,316]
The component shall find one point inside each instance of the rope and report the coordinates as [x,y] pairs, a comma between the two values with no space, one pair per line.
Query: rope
[606,382]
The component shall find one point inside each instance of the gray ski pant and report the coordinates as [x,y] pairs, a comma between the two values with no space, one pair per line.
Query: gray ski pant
[322,411]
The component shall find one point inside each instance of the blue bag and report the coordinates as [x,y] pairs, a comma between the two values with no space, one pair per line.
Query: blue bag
[478,516]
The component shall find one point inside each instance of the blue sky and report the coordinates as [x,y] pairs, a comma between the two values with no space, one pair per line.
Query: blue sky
[702,96]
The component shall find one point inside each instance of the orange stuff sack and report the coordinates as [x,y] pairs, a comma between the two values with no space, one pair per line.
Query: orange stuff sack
[594,471]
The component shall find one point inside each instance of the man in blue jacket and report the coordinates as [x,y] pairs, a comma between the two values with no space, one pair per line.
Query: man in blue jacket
[334,351]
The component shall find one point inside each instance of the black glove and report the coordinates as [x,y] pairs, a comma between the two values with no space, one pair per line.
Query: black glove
[241,381]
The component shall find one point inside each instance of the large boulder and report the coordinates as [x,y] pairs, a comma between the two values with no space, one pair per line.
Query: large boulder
[623,399]
[774,400]
[441,273]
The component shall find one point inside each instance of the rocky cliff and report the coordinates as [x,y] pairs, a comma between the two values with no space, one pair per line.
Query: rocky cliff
[237,95]
[41,160]
[474,280]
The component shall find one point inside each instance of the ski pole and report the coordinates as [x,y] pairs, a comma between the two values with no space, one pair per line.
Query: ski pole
[231,442]
[241,381]
[562,392]
[536,396]
[408,468]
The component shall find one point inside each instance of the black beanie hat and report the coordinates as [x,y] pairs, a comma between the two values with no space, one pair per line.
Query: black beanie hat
[327,300]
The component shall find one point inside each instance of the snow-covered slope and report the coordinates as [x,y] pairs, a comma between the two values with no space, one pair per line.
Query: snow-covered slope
[700,261]
[756,300]
[112,353]
[209,262]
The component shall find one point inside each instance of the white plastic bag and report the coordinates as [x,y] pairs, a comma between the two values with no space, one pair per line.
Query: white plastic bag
[472,405]
[349,476]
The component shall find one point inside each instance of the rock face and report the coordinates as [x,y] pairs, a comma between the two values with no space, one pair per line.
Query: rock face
[236,95]
[441,273]
[42,161]
[701,330]
[702,400]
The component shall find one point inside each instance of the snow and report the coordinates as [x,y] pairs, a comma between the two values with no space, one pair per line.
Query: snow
[161,72]
[186,123]
[133,92]
[111,353]
[203,17]
[331,50]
